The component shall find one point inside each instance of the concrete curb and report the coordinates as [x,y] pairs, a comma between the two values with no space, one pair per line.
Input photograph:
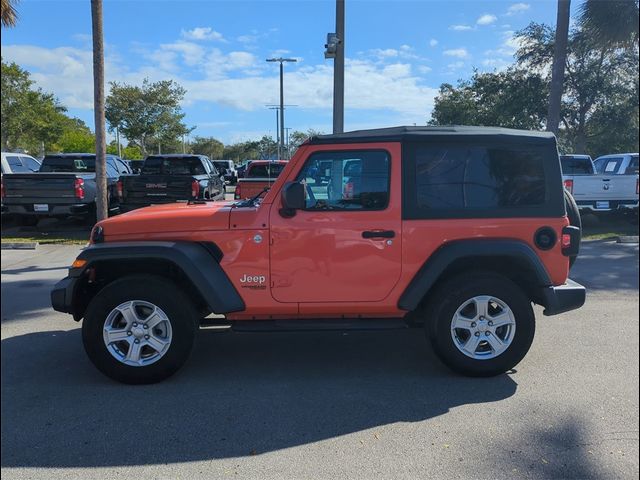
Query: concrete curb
[628,239]
[19,245]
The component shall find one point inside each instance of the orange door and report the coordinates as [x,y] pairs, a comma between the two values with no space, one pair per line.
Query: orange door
[346,246]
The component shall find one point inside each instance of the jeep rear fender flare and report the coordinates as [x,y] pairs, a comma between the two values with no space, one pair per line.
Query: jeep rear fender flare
[512,250]
[198,261]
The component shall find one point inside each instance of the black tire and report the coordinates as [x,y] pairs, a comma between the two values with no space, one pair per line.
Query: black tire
[452,294]
[158,291]
[573,214]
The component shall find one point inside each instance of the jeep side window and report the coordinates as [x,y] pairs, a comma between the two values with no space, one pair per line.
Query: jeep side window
[466,178]
[348,180]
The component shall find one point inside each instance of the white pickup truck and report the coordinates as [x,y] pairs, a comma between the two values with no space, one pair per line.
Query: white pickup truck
[600,191]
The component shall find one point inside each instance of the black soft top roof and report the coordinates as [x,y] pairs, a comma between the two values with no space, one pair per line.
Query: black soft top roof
[399,134]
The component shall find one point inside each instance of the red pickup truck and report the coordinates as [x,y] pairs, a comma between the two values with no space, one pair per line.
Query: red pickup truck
[260,175]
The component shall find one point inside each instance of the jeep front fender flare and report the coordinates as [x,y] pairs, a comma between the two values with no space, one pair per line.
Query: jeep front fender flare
[199,262]
[444,256]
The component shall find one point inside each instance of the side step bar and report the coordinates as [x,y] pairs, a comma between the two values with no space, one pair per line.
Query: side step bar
[308,325]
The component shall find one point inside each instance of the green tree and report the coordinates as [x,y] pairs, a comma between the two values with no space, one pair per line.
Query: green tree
[297,138]
[76,140]
[8,13]
[611,23]
[597,77]
[514,98]
[29,117]
[149,115]
[208,146]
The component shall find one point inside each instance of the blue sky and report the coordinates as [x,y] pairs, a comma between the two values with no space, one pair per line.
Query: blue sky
[397,55]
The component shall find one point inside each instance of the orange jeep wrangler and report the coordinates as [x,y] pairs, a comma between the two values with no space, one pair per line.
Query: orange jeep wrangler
[455,230]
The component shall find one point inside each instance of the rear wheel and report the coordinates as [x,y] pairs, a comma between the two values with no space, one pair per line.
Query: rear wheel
[480,324]
[139,329]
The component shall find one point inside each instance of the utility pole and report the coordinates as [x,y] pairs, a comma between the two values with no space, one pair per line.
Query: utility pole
[281,60]
[98,109]
[288,149]
[118,141]
[338,71]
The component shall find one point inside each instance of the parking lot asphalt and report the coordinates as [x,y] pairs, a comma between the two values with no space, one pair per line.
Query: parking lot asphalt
[324,405]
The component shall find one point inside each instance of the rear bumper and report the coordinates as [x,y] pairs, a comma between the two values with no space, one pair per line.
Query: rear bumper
[613,205]
[54,210]
[563,298]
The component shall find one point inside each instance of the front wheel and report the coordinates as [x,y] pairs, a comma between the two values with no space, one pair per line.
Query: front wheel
[139,329]
[480,324]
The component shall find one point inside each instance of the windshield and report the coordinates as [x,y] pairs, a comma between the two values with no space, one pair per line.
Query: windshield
[69,164]
[576,165]
[265,170]
[173,166]
[222,167]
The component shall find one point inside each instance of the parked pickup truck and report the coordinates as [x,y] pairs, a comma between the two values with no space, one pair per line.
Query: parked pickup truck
[598,192]
[450,230]
[170,178]
[260,175]
[617,164]
[64,186]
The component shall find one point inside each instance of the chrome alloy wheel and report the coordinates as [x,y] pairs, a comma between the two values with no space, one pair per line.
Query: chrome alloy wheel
[483,327]
[137,333]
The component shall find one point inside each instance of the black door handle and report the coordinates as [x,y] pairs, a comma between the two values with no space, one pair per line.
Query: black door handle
[378,234]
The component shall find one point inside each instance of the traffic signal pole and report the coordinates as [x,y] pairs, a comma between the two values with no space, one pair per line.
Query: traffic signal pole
[338,71]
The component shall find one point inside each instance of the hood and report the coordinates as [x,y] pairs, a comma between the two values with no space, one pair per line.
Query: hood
[170,217]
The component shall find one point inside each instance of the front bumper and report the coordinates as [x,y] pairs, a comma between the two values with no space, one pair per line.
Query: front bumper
[62,295]
[563,298]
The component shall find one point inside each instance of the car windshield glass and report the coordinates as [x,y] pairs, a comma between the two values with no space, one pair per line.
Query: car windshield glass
[69,164]
[576,165]
[173,166]
[265,170]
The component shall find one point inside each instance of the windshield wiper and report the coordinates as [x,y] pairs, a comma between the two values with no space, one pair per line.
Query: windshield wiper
[250,201]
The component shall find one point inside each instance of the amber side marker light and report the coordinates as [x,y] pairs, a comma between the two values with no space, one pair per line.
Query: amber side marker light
[78,263]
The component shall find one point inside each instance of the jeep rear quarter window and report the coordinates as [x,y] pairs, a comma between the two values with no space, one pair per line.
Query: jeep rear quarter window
[474,180]
[348,180]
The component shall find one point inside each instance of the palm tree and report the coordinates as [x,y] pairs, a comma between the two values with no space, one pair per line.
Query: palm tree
[557,71]
[612,23]
[8,13]
[98,110]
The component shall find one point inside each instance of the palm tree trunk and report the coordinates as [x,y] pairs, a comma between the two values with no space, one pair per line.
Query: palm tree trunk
[98,108]
[559,60]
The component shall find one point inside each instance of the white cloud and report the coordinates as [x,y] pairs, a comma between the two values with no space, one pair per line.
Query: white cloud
[455,66]
[496,63]
[192,53]
[456,52]
[235,79]
[508,47]
[424,69]
[486,19]
[202,33]
[433,42]
[460,28]
[518,8]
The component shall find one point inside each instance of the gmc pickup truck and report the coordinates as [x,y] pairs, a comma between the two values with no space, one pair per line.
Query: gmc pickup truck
[598,192]
[260,175]
[170,178]
[64,186]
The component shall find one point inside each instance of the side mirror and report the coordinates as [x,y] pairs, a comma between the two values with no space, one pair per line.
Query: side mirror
[292,199]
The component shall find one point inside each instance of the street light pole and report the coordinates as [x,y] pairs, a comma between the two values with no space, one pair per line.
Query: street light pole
[338,71]
[281,60]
